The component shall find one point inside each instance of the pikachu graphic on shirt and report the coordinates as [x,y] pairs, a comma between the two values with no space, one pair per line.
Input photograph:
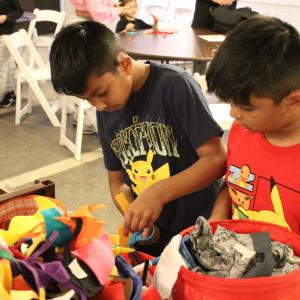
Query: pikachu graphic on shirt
[142,175]
[241,205]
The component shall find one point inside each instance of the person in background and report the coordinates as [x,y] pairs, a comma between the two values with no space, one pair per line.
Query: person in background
[257,71]
[162,148]
[129,22]
[10,11]
[202,17]
[103,11]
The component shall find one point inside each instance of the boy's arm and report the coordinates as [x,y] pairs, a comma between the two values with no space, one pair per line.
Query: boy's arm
[146,208]
[117,186]
[222,207]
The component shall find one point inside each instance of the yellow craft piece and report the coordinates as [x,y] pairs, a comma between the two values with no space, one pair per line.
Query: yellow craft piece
[121,250]
[46,203]
[11,236]
[115,239]
[24,295]
[123,202]
[116,247]
[123,239]
[42,294]
[36,241]
[20,226]
[114,272]
[5,279]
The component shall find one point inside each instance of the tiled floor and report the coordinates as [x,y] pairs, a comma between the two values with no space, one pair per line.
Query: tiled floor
[31,150]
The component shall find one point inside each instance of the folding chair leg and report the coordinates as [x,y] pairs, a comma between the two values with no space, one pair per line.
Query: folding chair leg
[18,103]
[20,112]
[91,115]
[45,104]
[63,123]
[74,147]
[79,130]
[29,98]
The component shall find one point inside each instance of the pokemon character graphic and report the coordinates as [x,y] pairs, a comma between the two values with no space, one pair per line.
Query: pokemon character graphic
[241,177]
[241,203]
[142,175]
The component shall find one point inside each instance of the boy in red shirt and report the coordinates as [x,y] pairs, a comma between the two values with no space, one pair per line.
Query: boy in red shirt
[257,71]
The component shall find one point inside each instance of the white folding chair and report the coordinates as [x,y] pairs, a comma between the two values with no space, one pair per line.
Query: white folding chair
[84,109]
[45,15]
[181,12]
[156,7]
[43,41]
[34,73]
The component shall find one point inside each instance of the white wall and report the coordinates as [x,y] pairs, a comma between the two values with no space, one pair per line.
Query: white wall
[287,10]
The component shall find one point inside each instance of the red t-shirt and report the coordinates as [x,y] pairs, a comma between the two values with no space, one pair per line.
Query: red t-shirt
[263,179]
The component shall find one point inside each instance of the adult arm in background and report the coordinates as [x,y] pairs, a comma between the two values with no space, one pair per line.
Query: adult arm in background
[222,208]
[146,208]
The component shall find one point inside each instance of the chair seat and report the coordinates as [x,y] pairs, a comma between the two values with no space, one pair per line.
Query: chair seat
[39,74]
[43,41]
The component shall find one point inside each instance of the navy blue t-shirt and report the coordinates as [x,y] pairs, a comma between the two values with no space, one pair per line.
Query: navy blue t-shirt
[156,136]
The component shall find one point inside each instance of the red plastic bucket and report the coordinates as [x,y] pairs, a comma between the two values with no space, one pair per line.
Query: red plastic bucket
[196,286]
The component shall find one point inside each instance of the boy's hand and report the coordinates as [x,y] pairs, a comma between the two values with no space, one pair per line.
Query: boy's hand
[143,211]
[129,27]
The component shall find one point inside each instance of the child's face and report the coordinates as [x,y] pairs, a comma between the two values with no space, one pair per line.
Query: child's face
[131,11]
[261,116]
[110,91]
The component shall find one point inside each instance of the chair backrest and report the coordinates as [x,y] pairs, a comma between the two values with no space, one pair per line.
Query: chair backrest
[16,44]
[45,15]
[33,72]
[158,8]
[181,11]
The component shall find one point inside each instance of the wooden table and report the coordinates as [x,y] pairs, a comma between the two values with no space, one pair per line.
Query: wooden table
[183,45]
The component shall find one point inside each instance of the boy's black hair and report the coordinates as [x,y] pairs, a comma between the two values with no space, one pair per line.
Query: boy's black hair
[261,57]
[80,50]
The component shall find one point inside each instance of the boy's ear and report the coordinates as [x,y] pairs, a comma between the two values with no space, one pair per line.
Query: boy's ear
[293,99]
[125,63]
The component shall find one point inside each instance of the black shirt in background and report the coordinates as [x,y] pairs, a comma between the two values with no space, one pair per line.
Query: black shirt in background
[202,17]
[138,24]
[13,10]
